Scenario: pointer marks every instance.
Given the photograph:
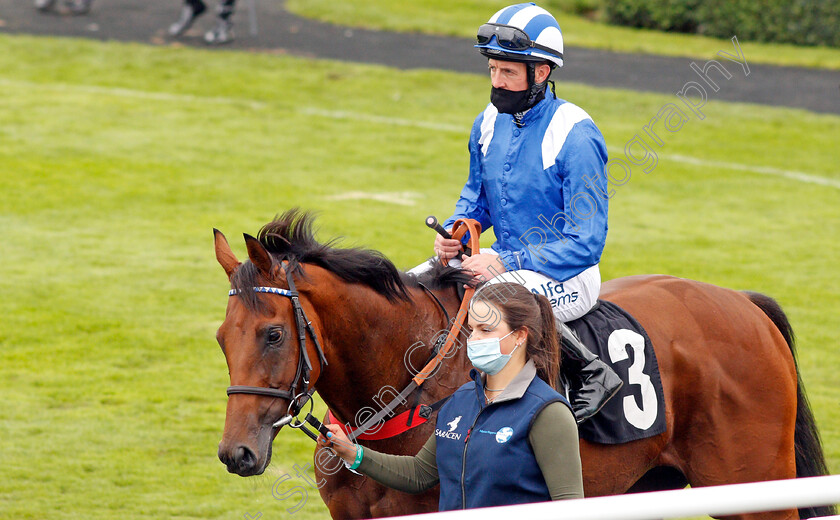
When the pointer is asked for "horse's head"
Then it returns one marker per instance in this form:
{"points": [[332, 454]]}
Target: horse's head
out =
{"points": [[272, 334], [294, 295], [269, 364]]}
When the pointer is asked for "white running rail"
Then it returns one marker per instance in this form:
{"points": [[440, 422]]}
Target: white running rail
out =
{"points": [[718, 500]]}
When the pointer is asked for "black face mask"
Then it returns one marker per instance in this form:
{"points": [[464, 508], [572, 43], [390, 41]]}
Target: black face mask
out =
{"points": [[509, 101]]}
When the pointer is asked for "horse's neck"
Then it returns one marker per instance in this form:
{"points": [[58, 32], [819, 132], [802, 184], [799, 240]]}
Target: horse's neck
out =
{"points": [[375, 347]]}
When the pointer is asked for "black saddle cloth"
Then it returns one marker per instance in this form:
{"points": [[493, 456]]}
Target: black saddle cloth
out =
{"points": [[638, 410]]}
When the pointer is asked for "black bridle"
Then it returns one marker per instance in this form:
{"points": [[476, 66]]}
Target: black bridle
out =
{"points": [[299, 392]]}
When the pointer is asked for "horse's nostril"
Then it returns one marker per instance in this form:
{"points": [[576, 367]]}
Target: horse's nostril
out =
{"points": [[244, 459]]}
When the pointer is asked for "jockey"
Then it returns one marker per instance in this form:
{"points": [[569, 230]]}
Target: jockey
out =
{"points": [[537, 177]]}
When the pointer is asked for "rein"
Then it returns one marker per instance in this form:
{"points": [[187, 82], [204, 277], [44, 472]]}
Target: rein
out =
{"points": [[413, 417]]}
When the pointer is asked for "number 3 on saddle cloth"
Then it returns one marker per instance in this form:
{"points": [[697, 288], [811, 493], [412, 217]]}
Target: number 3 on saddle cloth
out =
{"points": [[637, 411]]}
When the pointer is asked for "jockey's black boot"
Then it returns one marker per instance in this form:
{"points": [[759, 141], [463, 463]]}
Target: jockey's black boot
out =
{"points": [[593, 381]]}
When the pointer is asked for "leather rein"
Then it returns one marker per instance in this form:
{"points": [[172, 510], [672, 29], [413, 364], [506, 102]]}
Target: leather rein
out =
{"points": [[298, 397]]}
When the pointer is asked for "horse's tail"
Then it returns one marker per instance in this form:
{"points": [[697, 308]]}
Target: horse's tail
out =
{"points": [[810, 459]]}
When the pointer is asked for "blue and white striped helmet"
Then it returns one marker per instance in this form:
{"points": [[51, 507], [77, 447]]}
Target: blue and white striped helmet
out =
{"points": [[522, 32]]}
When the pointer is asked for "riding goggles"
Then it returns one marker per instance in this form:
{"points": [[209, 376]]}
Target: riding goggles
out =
{"points": [[510, 38]]}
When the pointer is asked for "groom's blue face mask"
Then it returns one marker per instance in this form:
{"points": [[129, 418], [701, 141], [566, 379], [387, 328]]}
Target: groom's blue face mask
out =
{"points": [[486, 354]]}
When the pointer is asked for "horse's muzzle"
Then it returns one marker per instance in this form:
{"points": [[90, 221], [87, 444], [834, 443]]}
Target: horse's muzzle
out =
{"points": [[240, 460]]}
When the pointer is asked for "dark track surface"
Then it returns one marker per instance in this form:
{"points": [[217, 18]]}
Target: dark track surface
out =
{"points": [[279, 31]]}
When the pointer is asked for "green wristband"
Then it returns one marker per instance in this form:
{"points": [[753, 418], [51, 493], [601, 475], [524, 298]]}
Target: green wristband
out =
{"points": [[359, 454]]}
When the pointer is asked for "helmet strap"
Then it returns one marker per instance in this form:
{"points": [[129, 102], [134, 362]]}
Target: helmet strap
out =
{"points": [[536, 90]]}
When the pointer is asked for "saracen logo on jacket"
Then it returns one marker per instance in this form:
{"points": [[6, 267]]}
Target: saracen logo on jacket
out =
{"points": [[453, 424]]}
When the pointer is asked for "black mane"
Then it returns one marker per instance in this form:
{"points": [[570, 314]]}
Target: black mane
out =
{"points": [[290, 237], [440, 277]]}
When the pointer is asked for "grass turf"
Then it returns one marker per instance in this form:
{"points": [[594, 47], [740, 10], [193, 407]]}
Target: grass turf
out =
{"points": [[462, 18], [117, 160]]}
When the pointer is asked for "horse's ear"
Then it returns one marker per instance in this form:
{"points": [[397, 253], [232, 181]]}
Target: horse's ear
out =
{"points": [[224, 254], [259, 256]]}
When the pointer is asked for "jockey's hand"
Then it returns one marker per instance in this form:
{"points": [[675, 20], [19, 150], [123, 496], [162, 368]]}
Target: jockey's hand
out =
{"points": [[339, 442], [446, 247], [484, 266]]}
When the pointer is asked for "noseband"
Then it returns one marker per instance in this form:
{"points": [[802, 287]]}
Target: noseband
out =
{"points": [[297, 397]]}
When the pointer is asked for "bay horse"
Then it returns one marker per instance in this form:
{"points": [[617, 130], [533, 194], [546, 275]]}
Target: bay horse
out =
{"points": [[736, 408]]}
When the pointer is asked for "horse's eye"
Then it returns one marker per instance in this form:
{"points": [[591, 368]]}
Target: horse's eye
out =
{"points": [[274, 336]]}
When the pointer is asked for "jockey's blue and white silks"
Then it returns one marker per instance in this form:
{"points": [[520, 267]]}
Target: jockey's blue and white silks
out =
{"points": [[541, 186]]}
